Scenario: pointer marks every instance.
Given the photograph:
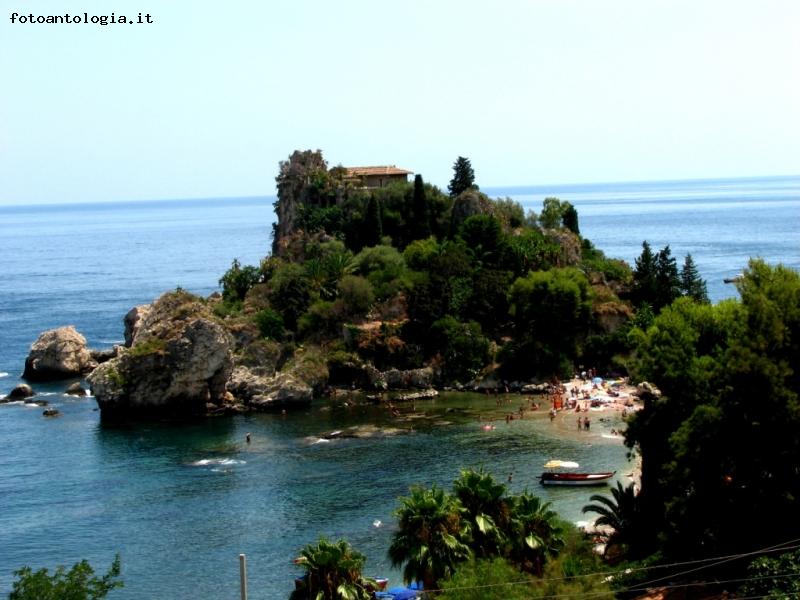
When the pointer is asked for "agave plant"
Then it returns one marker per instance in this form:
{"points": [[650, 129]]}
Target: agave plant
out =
{"points": [[333, 572], [428, 542]]}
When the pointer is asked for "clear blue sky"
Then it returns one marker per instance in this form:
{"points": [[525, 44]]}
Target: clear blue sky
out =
{"points": [[207, 100]]}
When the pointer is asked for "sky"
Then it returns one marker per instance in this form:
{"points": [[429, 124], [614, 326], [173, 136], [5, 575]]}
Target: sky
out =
{"points": [[206, 100]]}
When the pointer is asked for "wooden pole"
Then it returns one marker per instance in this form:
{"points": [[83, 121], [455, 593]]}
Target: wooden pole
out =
{"points": [[243, 575]]}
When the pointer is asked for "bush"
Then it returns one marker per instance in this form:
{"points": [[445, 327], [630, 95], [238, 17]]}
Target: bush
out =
{"points": [[238, 280], [79, 583], [487, 580], [464, 349], [269, 323], [355, 294]]}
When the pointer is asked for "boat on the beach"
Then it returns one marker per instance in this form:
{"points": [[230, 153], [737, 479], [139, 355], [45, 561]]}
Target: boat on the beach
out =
{"points": [[553, 478]]}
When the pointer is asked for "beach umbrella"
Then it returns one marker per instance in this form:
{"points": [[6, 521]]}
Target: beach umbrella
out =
{"points": [[566, 464], [597, 380]]}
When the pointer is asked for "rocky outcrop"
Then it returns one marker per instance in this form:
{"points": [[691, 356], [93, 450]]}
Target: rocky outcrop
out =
{"points": [[76, 389], [261, 392], [58, 354], [179, 361], [133, 322], [395, 379], [647, 391], [101, 356], [20, 392]]}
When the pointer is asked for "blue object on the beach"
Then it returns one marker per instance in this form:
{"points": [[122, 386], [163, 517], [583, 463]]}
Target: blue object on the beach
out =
{"points": [[402, 593], [597, 380]]}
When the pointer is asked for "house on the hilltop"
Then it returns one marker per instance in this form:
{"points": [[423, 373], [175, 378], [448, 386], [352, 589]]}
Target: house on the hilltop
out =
{"points": [[377, 177]]}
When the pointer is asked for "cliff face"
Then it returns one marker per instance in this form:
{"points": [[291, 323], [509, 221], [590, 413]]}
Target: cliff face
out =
{"points": [[178, 363], [58, 354], [296, 186]]}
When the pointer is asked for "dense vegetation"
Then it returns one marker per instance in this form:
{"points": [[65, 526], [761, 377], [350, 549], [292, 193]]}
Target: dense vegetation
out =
{"points": [[407, 276], [478, 535], [77, 583]]}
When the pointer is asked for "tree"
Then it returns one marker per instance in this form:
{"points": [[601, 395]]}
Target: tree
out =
{"points": [[373, 227], [644, 276], [463, 177], [486, 509], [238, 280], [420, 224], [621, 513], [484, 238], [333, 572], [427, 543], [552, 213], [692, 284], [79, 583], [722, 440], [535, 533], [551, 312], [487, 579], [289, 292], [569, 218], [775, 578], [668, 282]]}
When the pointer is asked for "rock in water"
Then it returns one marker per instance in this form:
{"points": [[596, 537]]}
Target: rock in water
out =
{"points": [[20, 392], [179, 361], [133, 322], [58, 354], [76, 389], [269, 392]]}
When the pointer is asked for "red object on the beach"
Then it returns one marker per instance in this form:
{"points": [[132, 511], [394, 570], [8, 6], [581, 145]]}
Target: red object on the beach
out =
{"points": [[575, 478]]}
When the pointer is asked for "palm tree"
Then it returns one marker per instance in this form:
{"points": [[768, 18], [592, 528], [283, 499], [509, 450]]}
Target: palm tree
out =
{"points": [[621, 514], [536, 533], [333, 572], [428, 539], [487, 511]]}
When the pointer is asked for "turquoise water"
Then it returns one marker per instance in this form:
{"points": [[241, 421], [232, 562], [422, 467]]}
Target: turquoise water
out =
{"points": [[181, 502]]}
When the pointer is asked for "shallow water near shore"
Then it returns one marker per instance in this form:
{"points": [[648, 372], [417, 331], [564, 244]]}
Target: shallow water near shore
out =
{"points": [[180, 502]]}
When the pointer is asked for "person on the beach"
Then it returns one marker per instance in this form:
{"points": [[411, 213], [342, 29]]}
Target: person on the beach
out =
{"points": [[587, 423], [247, 437], [580, 423]]}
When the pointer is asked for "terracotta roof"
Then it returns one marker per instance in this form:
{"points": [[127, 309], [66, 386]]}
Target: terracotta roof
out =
{"points": [[383, 170]]}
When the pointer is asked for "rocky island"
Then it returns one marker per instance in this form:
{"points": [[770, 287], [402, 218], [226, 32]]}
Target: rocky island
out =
{"points": [[374, 283]]}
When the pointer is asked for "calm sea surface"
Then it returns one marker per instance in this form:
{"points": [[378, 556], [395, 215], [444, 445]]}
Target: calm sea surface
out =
{"points": [[179, 503]]}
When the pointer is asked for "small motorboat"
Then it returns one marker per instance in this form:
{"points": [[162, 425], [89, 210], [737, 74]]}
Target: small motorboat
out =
{"points": [[552, 478]]}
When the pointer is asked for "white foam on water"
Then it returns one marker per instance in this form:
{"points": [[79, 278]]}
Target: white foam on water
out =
{"points": [[321, 441], [3, 374], [205, 462], [47, 394]]}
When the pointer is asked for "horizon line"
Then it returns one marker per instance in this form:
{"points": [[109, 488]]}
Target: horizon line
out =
{"points": [[61, 203]]}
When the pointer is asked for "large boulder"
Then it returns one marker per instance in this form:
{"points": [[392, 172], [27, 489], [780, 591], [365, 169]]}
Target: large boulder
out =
{"points": [[179, 362], [259, 392], [58, 354]]}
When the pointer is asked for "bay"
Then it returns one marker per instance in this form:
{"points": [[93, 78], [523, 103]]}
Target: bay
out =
{"points": [[181, 502]]}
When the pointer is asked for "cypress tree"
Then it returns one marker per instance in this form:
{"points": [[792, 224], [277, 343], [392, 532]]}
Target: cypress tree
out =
{"points": [[644, 276], [421, 224], [692, 284], [373, 226], [668, 283], [463, 177], [569, 218]]}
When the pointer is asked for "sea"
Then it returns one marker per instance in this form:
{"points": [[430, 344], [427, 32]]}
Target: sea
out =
{"points": [[180, 502]]}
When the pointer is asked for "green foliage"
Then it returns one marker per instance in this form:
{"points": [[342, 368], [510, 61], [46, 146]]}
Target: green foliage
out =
{"points": [[427, 542], [551, 311], [289, 292], [420, 224], [775, 578], [484, 237], [723, 440], [531, 251], [148, 347], [612, 269], [227, 308], [419, 254], [655, 278], [238, 280], [270, 324], [536, 534], [487, 510], [487, 579], [329, 219], [552, 214], [463, 347], [333, 572], [79, 583], [463, 177], [373, 225], [385, 269], [622, 514], [355, 295], [509, 212], [569, 218], [692, 285]]}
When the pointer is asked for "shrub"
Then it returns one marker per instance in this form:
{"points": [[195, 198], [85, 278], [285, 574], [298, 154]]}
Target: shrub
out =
{"points": [[355, 294], [79, 583], [269, 323]]}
